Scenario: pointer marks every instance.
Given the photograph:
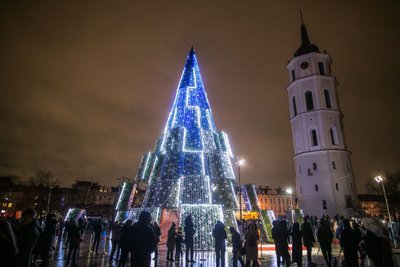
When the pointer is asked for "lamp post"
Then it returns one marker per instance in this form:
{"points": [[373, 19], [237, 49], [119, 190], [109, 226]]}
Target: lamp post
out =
{"points": [[290, 191], [240, 162], [379, 179]]}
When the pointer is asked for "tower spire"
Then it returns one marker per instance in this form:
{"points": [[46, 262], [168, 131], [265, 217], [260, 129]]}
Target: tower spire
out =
{"points": [[306, 46]]}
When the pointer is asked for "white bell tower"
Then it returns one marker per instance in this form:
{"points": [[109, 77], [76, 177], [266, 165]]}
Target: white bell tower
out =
{"points": [[324, 176]]}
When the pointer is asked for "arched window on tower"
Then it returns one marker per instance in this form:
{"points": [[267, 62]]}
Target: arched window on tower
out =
{"points": [[294, 106], [309, 101], [314, 138], [333, 134], [327, 98]]}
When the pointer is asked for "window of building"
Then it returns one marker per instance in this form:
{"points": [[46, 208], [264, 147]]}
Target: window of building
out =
{"points": [[327, 98], [316, 187], [337, 187], [333, 134], [349, 201], [309, 173], [314, 166], [324, 204], [294, 106], [333, 165], [321, 68], [293, 77], [314, 139], [299, 168], [309, 101], [279, 201]]}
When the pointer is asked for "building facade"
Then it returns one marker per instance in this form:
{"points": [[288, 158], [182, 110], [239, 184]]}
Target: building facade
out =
{"points": [[324, 176]]}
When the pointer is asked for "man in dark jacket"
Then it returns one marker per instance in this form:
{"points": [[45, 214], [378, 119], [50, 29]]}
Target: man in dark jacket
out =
{"points": [[219, 235], [27, 236], [143, 241], [349, 243], [97, 229], [189, 238], [325, 238], [308, 238], [236, 247]]}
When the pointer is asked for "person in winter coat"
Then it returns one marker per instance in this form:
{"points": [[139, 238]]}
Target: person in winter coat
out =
{"points": [[74, 242], [325, 238], [236, 247], [219, 235], [171, 242], [178, 244], [297, 246], [251, 238], [115, 237], [280, 235], [27, 236], [47, 239], [124, 242], [143, 241], [157, 232], [8, 244], [189, 238], [349, 243], [97, 229], [308, 238]]}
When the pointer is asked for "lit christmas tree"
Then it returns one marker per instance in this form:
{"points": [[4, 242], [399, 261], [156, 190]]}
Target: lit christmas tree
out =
{"points": [[190, 167]]}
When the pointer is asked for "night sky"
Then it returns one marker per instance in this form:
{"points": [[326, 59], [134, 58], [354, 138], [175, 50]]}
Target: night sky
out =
{"points": [[86, 87]]}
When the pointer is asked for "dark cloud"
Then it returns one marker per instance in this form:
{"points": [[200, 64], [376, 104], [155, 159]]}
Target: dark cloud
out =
{"points": [[86, 87]]}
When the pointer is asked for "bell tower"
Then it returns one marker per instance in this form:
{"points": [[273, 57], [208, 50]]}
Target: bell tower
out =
{"points": [[324, 176]]}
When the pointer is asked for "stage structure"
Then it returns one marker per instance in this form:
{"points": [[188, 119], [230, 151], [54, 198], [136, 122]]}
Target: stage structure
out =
{"points": [[190, 170]]}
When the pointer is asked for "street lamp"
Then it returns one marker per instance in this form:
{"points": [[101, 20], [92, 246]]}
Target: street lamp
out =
{"points": [[290, 191], [379, 179], [240, 162]]}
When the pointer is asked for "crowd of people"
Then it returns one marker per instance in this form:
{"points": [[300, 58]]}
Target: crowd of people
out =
{"points": [[24, 241]]}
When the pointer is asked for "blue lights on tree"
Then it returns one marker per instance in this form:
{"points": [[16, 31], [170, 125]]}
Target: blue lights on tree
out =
{"points": [[191, 162]]}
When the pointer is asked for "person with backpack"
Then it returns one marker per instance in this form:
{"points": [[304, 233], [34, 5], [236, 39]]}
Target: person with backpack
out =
{"points": [[219, 235], [325, 238], [236, 247], [251, 238], [297, 245], [308, 238]]}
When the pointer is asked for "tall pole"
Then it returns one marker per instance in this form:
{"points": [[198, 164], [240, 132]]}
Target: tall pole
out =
{"points": [[240, 201], [240, 162], [379, 179]]}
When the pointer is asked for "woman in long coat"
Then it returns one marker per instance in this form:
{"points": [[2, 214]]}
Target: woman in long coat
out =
{"points": [[297, 246], [251, 238], [171, 242]]}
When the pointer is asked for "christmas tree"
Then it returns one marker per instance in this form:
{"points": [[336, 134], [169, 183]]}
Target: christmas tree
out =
{"points": [[190, 167]]}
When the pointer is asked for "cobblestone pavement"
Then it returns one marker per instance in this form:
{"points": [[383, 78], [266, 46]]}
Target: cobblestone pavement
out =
{"points": [[202, 258]]}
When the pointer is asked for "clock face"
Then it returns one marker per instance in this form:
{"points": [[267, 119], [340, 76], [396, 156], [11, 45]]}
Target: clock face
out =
{"points": [[304, 65]]}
